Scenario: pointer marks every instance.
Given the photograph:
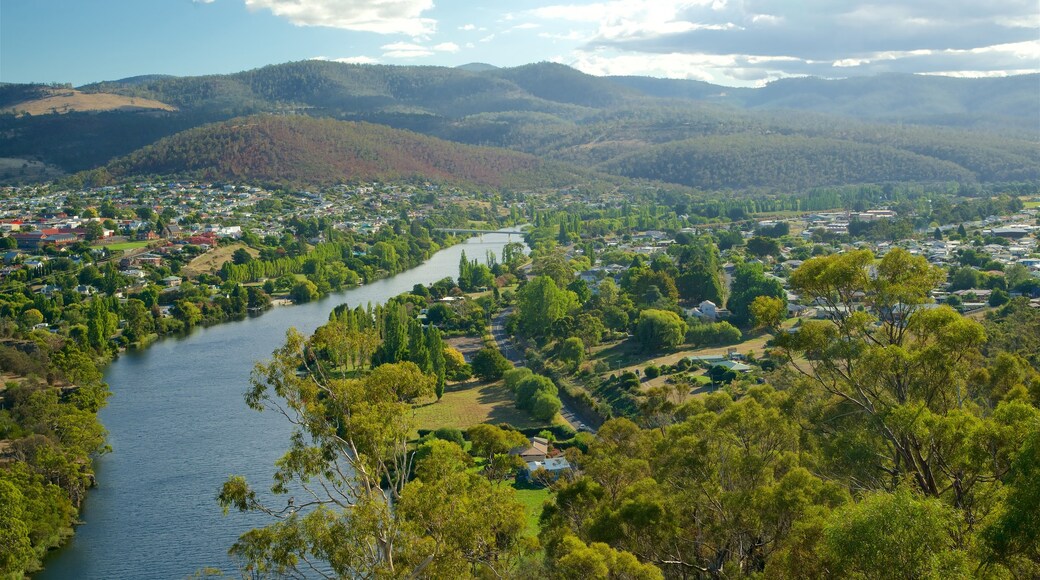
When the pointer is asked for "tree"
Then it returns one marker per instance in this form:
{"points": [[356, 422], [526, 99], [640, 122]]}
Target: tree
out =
{"points": [[657, 330], [892, 535], [768, 312], [540, 303], [455, 367], [750, 282], [435, 346], [241, 256], [897, 375], [762, 246], [30, 318], [494, 444], [304, 291], [489, 364], [529, 388], [363, 516], [572, 352], [545, 406]]}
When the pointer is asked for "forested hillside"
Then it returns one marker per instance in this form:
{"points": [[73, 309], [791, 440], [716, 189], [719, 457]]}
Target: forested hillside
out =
{"points": [[834, 132], [320, 151]]}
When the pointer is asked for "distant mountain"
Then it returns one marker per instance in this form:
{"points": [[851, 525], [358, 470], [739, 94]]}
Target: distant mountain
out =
{"points": [[305, 150], [477, 67], [937, 128]]}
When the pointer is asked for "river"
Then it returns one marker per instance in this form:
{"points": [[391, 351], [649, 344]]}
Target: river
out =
{"points": [[179, 426]]}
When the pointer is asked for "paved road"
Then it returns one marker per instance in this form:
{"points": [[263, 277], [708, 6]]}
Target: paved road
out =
{"points": [[505, 345]]}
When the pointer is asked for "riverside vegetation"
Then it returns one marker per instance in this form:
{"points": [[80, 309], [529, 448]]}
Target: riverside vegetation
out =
{"points": [[891, 437]]}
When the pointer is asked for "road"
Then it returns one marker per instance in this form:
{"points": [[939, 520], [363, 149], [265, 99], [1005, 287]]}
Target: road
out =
{"points": [[505, 345]]}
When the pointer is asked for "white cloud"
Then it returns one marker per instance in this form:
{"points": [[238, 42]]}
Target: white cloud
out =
{"points": [[468, 27], [405, 50], [202, 1], [446, 47], [751, 40], [526, 26], [349, 59], [379, 16]]}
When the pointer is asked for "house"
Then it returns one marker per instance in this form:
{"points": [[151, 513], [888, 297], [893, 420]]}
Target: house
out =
{"points": [[537, 451], [554, 466], [730, 365], [171, 281], [707, 311]]}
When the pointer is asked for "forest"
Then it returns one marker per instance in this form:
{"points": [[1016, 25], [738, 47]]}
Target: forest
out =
{"points": [[791, 135]]}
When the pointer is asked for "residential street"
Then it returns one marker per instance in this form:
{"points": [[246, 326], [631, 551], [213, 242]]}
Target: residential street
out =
{"points": [[505, 345]]}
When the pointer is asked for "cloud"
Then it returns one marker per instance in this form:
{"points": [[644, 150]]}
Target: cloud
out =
{"points": [[468, 27], [446, 47], [412, 50], [202, 1], [349, 59], [762, 39], [379, 16]]}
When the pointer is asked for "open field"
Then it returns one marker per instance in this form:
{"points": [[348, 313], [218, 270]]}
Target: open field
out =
{"points": [[532, 497], [472, 403], [70, 100], [123, 245], [211, 261], [624, 356], [15, 170]]}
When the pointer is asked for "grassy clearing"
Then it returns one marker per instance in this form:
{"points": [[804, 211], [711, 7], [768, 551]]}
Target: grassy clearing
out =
{"points": [[471, 403], [123, 245], [626, 356], [532, 497], [213, 260]]}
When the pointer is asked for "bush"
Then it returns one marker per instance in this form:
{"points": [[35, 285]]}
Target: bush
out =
{"points": [[659, 329], [489, 364], [545, 406], [450, 434], [652, 372], [513, 377], [529, 389]]}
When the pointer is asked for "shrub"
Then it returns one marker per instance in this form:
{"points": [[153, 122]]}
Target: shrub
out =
{"points": [[450, 434], [652, 372]]}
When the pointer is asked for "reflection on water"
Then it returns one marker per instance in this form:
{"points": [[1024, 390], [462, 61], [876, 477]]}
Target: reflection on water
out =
{"points": [[178, 427]]}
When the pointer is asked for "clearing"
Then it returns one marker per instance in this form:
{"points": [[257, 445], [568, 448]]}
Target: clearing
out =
{"points": [[211, 261], [62, 101], [471, 403]]}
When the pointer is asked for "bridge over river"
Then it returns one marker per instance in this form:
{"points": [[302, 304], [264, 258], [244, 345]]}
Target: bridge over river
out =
{"points": [[477, 232]]}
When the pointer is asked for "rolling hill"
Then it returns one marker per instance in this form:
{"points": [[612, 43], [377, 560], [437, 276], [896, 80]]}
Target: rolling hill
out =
{"points": [[306, 150], [914, 127]]}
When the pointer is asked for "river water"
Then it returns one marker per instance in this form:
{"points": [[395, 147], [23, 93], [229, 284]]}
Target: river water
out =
{"points": [[179, 426]]}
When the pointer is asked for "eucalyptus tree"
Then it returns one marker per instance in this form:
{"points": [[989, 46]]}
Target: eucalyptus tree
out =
{"points": [[363, 505]]}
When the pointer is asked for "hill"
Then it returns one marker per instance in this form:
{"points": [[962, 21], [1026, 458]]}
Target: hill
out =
{"points": [[47, 100], [300, 149], [968, 130]]}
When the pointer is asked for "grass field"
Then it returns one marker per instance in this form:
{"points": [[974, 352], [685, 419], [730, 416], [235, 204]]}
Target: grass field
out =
{"points": [[71, 100], [532, 497], [123, 245], [211, 261], [471, 403]]}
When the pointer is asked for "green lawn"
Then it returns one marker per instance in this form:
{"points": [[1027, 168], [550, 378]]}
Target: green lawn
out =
{"points": [[472, 403], [532, 497], [123, 245]]}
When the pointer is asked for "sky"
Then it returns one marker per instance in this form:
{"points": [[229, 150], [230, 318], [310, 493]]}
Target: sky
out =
{"points": [[727, 42]]}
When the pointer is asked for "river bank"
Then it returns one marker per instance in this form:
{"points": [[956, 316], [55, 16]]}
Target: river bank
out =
{"points": [[178, 426]]}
